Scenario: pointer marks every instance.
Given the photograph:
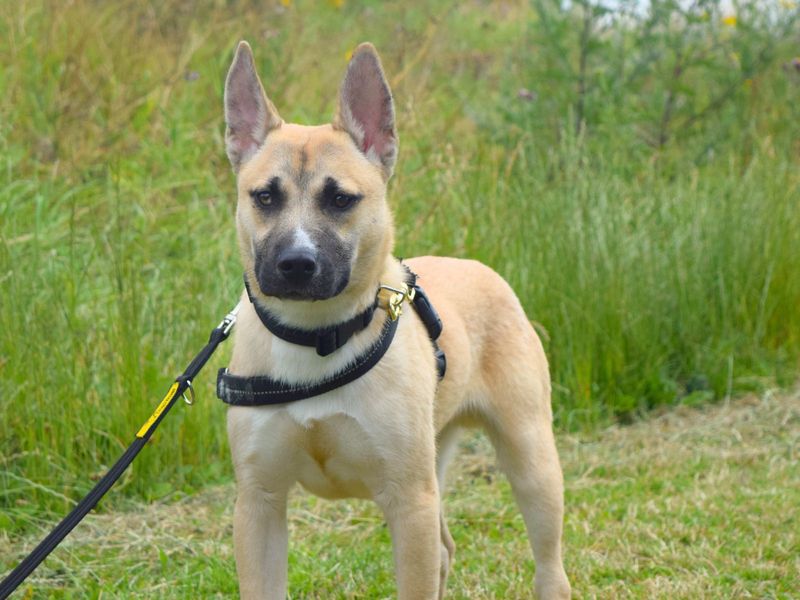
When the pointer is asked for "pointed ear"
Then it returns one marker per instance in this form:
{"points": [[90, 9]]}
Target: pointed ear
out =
{"points": [[366, 109], [249, 115]]}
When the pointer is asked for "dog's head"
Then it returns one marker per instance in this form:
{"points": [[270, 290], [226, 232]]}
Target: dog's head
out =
{"points": [[312, 215]]}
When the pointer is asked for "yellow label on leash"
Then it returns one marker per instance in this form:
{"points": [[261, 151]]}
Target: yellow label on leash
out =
{"points": [[157, 412]]}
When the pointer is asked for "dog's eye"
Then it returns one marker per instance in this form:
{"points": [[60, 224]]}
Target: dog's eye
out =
{"points": [[334, 198], [342, 201], [270, 196]]}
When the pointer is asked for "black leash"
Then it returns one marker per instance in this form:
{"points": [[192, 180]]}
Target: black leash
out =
{"points": [[178, 389]]}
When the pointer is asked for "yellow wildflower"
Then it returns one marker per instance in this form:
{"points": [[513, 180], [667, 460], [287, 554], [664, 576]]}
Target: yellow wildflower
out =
{"points": [[730, 20]]}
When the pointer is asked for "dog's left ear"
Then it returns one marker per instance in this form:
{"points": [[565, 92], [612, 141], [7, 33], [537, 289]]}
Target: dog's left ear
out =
{"points": [[366, 109]]}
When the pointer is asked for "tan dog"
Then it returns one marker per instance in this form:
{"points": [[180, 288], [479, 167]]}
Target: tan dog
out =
{"points": [[316, 239]]}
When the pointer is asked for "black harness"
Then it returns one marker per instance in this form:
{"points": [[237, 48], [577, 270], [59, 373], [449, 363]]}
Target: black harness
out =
{"points": [[264, 390]]}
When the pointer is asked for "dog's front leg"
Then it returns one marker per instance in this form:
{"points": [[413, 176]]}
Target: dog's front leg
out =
{"points": [[413, 519], [261, 538]]}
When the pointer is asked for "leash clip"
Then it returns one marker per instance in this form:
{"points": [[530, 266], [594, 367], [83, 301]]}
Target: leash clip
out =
{"points": [[228, 322], [396, 299]]}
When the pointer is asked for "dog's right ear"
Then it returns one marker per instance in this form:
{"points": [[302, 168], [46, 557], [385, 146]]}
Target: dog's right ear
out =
{"points": [[249, 115]]}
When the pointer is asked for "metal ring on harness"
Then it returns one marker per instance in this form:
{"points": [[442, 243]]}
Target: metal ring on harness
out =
{"points": [[189, 387]]}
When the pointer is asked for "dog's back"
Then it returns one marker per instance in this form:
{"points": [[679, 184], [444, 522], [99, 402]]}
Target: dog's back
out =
{"points": [[488, 340]]}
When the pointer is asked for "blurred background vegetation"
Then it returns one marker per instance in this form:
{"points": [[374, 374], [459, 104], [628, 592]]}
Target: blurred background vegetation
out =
{"points": [[631, 170]]}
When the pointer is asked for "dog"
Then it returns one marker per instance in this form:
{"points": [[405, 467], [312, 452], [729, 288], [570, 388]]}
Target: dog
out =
{"points": [[316, 238]]}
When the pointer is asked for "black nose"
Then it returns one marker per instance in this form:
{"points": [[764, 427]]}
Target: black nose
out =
{"points": [[297, 266]]}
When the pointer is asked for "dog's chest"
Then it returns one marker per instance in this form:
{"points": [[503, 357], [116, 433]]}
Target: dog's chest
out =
{"points": [[336, 458], [321, 445]]}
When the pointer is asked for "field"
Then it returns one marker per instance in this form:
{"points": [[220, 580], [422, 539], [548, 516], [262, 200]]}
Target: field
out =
{"points": [[634, 177]]}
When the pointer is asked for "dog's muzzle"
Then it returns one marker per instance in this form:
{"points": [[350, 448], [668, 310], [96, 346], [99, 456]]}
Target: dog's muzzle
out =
{"points": [[299, 272]]}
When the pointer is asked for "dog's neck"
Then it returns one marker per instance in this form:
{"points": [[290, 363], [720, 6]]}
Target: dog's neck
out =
{"points": [[315, 314]]}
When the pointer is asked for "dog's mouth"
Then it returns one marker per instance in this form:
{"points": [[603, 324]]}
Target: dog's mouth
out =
{"points": [[295, 296], [300, 296], [319, 288]]}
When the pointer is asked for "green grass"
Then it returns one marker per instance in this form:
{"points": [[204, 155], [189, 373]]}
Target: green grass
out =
{"points": [[695, 503], [641, 196]]}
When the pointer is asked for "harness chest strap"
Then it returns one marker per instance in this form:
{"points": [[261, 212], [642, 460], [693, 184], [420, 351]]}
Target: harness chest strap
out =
{"points": [[264, 390]]}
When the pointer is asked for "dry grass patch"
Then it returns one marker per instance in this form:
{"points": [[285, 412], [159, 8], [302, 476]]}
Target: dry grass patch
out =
{"points": [[693, 503]]}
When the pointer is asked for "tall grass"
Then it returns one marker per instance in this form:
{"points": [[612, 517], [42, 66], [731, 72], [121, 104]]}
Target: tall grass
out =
{"points": [[635, 177]]}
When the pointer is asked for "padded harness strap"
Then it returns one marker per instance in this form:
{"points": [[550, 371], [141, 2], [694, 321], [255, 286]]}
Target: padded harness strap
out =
{"points": [[264, 390]]}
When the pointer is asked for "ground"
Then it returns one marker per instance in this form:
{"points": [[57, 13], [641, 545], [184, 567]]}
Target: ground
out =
{"points": [[691, 503]]}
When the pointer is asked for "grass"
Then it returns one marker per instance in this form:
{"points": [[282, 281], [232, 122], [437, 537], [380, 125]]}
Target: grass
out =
{"points": [[635, 178], [693, 503]]}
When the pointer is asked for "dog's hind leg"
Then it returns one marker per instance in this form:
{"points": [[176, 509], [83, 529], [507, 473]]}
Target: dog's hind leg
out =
{"points": [[445, 448], [522, 435], [448, 551]]}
